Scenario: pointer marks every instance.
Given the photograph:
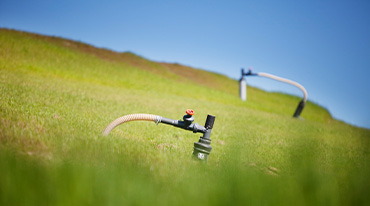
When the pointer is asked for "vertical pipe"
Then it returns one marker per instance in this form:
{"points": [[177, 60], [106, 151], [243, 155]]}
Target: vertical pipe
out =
{"points": [[243, 89], [203, 148]]}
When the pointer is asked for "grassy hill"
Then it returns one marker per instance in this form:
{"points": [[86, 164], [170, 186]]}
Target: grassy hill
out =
{"points": [[58, 95]]}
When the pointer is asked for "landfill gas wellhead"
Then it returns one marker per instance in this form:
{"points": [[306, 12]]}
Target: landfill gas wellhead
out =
{"points": [[202, 148], [243, 88]]}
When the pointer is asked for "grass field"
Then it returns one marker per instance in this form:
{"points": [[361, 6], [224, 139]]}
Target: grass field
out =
{"points": [[58, 95]]}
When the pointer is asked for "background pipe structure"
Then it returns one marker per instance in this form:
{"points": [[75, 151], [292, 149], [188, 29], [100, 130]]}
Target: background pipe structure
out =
{"points": [[202, 149], [242, 90]]}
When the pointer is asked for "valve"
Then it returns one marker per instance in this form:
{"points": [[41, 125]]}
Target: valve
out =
{"points": [[188, 118]]}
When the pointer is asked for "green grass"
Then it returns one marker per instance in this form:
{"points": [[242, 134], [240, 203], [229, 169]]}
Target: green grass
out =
{"points": [[58, 95]]}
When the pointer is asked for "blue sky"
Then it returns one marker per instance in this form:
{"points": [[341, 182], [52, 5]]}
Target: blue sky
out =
{"points": [[322, 44]]}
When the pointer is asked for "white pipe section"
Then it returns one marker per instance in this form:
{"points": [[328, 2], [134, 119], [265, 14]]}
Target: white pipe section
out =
{"points": [[243, 89], [131, 117], [286, 81]]}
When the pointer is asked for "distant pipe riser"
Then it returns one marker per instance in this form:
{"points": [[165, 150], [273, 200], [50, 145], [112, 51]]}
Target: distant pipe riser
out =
{"points": [[243, 89], [301, 104]]}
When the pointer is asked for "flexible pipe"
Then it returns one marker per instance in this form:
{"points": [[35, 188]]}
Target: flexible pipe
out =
{"points": [[131, 117], [286, 81]]}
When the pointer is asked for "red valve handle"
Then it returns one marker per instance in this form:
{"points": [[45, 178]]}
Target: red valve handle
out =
{"points": [[190, 112]]}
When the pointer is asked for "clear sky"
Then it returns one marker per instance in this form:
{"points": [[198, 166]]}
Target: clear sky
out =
{"points": [[322, 44]]}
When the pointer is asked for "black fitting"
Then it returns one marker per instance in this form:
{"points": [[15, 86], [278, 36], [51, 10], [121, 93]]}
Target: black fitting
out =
{"points": [[299, 109], [249, 73], [209, 122]]}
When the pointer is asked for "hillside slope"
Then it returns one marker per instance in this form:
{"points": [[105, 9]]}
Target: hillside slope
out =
{"points": [[258, 99], [58, 95]]}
